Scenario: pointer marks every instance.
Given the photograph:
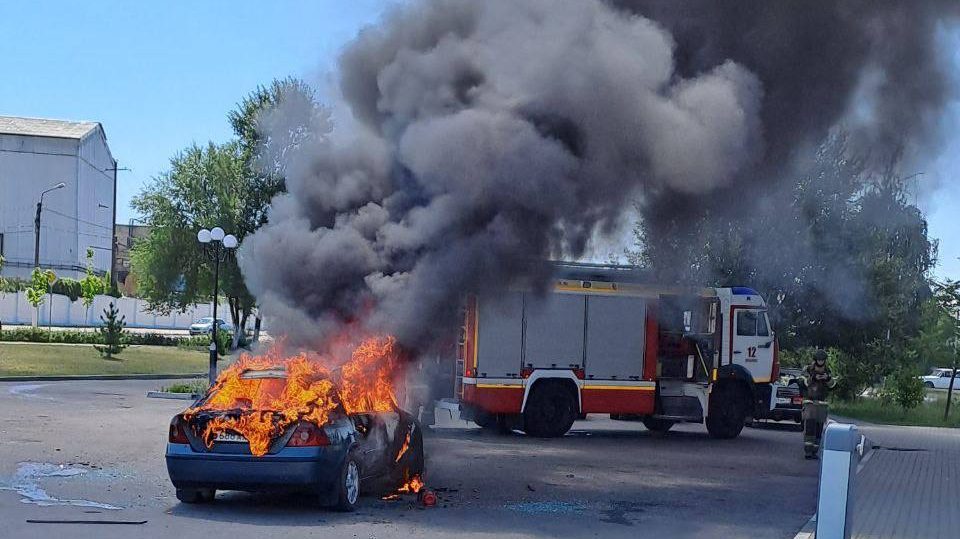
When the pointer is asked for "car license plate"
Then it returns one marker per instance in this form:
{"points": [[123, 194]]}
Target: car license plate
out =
{"points": [[783, 400], [229, 437]]}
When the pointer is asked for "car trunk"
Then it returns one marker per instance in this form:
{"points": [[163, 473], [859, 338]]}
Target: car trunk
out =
{"points": [[265, 386]]}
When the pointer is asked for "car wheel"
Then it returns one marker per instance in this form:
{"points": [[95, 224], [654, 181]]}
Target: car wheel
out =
{"points": [[928, 385], [551, 410], [196, 495], [348, 486]]}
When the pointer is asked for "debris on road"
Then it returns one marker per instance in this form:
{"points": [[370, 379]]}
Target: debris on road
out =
{"points": [[427, 498], [556, 507], [58, 521]]}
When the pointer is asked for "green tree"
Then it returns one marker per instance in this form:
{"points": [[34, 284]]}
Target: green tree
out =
{"points": [[840, 254], [948, 301], [112, 332], [40, 283], [90, 285], [228, 185]]}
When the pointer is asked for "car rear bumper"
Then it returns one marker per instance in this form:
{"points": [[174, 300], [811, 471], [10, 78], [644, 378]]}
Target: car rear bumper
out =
{"points": [[291, 469]]}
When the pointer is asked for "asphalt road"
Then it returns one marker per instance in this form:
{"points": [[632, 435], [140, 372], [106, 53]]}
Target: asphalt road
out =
{"points": [[72, 450]]}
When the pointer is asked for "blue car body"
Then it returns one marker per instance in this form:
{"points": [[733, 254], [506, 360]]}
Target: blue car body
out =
{"points": [[373, 441], [231, 466]]}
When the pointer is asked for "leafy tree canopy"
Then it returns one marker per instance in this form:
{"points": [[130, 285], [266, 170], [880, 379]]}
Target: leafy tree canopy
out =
{"points": [[841, 255], [229, 185]]}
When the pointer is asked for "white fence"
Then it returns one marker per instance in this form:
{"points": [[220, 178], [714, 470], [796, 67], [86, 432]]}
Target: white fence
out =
{"points": [[15, 309]]}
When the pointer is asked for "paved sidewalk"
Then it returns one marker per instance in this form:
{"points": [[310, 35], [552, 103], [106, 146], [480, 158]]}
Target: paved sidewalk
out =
{"points": [[910, 486]]}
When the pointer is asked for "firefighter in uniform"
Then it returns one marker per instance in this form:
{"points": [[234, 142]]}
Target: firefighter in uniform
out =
{"points": [[817, 382]]}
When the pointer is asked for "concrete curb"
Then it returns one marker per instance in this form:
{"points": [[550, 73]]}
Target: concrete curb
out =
{"points": [[808, 530], [171, 395], [80, 377]]}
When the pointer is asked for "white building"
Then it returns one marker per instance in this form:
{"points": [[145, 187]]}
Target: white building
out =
{"points": [[35, 155]]}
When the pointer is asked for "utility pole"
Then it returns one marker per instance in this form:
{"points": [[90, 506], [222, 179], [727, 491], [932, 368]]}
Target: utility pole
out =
{"points": [[36, 224], [953, 377]]}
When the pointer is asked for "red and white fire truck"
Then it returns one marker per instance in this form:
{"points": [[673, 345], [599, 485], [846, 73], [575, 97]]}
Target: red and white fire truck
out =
{"points": [[598, 343]]}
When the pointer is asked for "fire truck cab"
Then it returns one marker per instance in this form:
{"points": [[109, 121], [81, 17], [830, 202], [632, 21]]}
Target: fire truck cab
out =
{"points": [[536, 360]]}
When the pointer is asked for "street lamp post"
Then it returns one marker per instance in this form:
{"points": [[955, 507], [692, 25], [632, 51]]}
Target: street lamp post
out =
{"points": [[36, 223], [218, 243]]}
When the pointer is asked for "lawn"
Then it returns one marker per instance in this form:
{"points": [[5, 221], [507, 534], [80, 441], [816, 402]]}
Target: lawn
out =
{"points": [[928, 414], [46, 359]]}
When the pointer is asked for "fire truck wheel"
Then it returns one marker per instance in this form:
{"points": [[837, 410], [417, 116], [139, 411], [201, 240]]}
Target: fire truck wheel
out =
{"points": [[551, 410], [348, 486], [727, 412], [485, 420], [657, 425]]}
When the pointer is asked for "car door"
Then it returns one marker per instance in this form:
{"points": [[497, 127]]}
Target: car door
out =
{"points": [[753, 342], [375, 450]]}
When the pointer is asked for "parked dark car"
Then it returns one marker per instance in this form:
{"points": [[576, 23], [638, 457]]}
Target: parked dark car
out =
{"points": [[333, 462], [788, 398]]}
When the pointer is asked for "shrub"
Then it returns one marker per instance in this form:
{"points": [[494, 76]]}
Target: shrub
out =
{"points": [[198, 342], [908, 390], [32, 334], [196, 386], [67, 287], [202, 342]]}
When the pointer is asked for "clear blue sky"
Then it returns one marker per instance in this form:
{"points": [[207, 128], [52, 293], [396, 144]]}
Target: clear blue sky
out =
{"points": [[160, 75]]}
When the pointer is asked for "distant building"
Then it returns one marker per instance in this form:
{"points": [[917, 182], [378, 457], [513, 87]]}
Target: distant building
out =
{"points": [[125, 236], [36, 154]]}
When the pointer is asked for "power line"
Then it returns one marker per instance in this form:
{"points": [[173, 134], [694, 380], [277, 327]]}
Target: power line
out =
{"points": [[84, 221]]}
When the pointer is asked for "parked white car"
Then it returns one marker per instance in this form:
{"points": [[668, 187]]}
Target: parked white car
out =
{"points": [[940, 379], [205, 325]]}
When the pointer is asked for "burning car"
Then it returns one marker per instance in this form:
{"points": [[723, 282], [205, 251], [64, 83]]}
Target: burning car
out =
{"points": [[293, 425]]}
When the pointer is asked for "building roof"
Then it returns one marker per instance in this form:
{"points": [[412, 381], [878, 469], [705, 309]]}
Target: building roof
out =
{"points": [[41, 127]]}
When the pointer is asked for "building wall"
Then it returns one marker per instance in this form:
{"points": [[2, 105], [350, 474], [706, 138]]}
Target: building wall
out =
{"points": [[28, 165], [95, 202]]}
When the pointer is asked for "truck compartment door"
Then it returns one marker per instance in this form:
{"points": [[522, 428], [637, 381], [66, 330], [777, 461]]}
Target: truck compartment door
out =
{"points": [[500, 330], [554, 328], [615, 337]]}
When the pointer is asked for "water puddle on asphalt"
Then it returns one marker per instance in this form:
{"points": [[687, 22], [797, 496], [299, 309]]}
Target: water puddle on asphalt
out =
{"points": [[26, 483], [27, 391]]}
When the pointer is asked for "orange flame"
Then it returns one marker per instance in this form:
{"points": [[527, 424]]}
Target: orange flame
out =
{"points": [[403, 448], [261, 409], [413, 485]]}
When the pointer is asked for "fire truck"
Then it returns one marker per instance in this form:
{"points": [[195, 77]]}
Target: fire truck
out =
{"points": [[598, 340]]}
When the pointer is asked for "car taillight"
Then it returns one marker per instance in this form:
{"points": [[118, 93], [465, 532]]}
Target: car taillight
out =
{"points": [[308, 435], [178, 432]]}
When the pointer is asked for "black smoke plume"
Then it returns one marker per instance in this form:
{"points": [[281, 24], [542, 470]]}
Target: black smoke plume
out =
{"points": [[475, 138]]}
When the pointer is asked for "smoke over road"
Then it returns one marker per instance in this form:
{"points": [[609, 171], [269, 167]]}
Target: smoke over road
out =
{"points": [[487, 135]]}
